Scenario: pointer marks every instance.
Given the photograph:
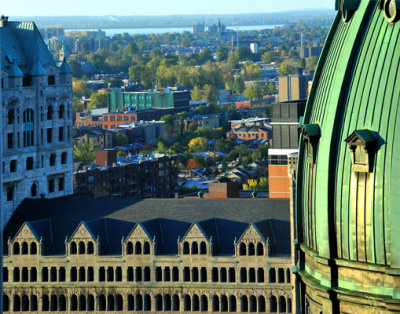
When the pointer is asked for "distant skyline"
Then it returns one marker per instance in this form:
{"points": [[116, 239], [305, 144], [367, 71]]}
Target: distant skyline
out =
{"points": [[154, 7]]}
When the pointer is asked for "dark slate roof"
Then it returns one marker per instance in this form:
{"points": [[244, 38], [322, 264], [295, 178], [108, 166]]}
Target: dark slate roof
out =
{"points": [[18, 40], [163, 219]]}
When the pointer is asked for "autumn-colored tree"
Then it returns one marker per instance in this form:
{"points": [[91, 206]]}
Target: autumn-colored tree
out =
{"points": [[253, 184], [191, 163], [198, 144]]}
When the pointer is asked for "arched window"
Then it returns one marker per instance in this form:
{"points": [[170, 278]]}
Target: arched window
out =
{"points": [[90, 302], [24, 248], [232, 274], [289, 305], [252, 275], [24, 275], [119, 303], [138, 274], [244, 304], [11, 116], [28, 118], [61, 111], [232, 303], [288, 275], [147, 302], [222, 274], [139, 302], [251, 249], [175, 274], [147, 274], [175, 303], [186, 274], [204, 303], [195, 303], [187, 304], [110, 274], [158, 301], [272, 304], [16, 274], [34, 190], [131, 302], [34, 303], [261, 304], [17, 303], [102, 303], [195, 274], [53, 303], [282, 304], [62, 301], [242, 249], [224, 303], [16, 248], [90, 248], [129, 248], [260, 275], [272, 275], [253, 304], [195, 248], [6, 303], [82, 273], [45, 303], [167, 302], [146, 248], [281, 275], [110, 303], [33, 248], [33, 274], [138, 248], [260, 249], [72, 249], [25, 303], [215, 303], [243, 274], [203, 248], [50, 112], [73, 274], [185, 247], [81, 247]]}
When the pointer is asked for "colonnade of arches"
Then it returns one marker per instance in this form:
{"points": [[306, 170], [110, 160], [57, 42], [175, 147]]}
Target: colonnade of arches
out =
{"points": [[147, 302]]}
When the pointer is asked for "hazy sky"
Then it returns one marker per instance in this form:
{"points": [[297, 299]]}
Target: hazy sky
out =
{"points": [[153, 7]]}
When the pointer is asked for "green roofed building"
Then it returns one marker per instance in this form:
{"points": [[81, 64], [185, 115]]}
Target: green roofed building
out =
{"points": [[118, 100], [348, 180]]}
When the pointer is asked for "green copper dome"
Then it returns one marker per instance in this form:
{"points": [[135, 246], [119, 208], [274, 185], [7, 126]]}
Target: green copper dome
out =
{"points": [[348, 181]]}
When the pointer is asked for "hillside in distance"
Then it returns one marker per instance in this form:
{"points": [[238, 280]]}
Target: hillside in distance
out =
{"points": [[140, 21]]}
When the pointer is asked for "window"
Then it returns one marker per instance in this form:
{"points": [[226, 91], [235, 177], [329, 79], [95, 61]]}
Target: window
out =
{"points": [[10, 140], [61, 111], [311, 134], [49, 135], [28, 128], [52, 159], [63, 158], [29, 163], [51, 80], [13, 166], [11, 116], [10, 193], [60, 133], [51, 185], [61, 184], [362, 146]]}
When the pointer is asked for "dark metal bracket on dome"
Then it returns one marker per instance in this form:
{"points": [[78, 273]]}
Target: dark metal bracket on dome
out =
{"points": [[391, 9], [362, 144], [311, 134], [347, 7]]}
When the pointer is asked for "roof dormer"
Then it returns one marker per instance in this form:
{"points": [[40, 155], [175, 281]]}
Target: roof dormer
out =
{"points": [[362, 145], [311, 134]]}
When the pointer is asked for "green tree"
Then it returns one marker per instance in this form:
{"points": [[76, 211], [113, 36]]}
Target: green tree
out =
{"points": [[121, 140], [243, 53], [196, 93], [239, 85], [222, 53], [98, 100], [135, 73], [210, 93], [79, 89], [311, 62], [251, 72], [84, 153], [77, 106], [287, 67], [254, 92], [268, 57]]}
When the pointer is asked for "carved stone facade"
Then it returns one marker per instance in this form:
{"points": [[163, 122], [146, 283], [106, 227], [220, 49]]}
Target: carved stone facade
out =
{"points": [[37, 118], [143, 277]]}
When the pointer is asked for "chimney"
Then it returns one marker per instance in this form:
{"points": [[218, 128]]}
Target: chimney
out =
{"points": [[223, 190]]}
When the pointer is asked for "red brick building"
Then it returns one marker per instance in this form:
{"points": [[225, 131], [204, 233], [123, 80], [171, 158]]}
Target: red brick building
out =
{"points": [[135, 177], [83, 120]]}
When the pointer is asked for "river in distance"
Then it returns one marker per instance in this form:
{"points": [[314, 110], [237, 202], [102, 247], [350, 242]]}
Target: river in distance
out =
{"points": [[162, 30]]}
